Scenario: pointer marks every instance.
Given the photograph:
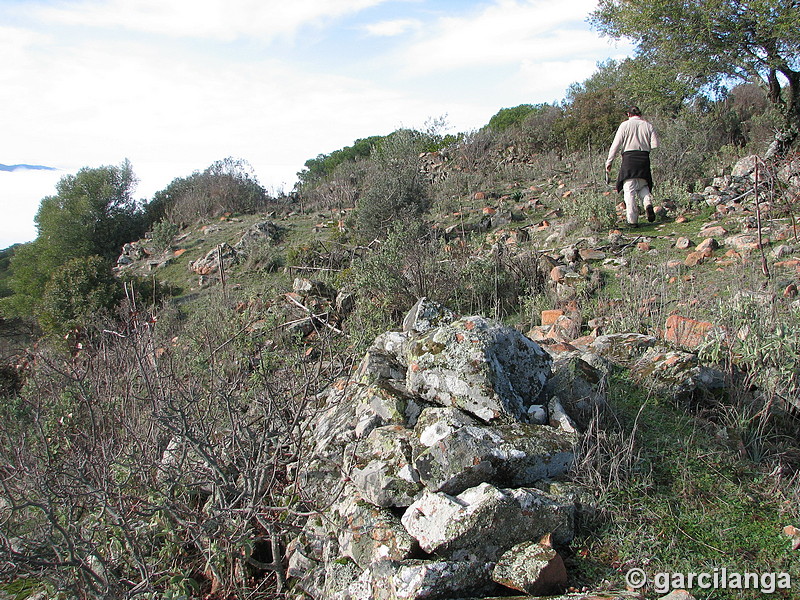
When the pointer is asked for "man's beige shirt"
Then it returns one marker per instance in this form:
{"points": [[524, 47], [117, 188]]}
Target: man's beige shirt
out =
{"points": [[633, 134]]}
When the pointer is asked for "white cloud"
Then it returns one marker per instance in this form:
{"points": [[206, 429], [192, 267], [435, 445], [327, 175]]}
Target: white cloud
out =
{"points": [[506, 32], [75, 93], [393, 28], [20, 194], [99, 102], [224, 20]]}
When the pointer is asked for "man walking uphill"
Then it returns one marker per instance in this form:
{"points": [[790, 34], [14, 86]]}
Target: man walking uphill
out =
{"points": [[634, 139]]}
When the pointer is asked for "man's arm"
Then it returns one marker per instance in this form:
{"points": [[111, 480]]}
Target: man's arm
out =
{"points": [[653, 138], [614, 148]]}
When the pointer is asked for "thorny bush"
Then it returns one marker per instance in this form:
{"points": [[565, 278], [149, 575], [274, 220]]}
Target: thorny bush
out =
{"points": [[151, 460]]}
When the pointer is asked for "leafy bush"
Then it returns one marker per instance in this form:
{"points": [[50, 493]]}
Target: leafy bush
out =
{"points": [[506, 118], [394, 189], [76, 293], [413, 263], [228, 185], [164, 233]]}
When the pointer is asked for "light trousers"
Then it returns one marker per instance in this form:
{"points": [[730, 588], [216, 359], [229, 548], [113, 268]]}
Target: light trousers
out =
{"points": [[632, 190]]}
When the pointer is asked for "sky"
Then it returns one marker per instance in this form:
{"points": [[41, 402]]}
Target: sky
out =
{"points": [[175, 85]]}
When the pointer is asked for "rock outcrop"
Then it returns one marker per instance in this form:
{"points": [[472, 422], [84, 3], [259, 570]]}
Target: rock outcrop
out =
{"points": [[442, 454]]}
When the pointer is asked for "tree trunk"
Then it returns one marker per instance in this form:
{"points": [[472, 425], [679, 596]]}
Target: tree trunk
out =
{"points": [[790, 105]]}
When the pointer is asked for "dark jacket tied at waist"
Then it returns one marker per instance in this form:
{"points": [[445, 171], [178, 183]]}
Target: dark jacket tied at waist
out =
{"points": [[635, 165]]}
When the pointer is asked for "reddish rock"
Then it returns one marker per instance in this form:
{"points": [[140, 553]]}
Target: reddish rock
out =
{"points": [[533, 568], [488, 210], [559, 347], [558, 273], [480, 196], [551, 316], [588, 254], [644, 246], [694, 258], [716, 230], [789, 264], [686, 332], [707, 245]]}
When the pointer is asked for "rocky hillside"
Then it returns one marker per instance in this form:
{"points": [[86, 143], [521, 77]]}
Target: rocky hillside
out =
{"points": [[475, 456]]}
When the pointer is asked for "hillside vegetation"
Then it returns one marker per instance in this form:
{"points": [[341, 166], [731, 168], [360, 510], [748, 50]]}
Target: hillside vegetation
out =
{"points": [[161, 359]]}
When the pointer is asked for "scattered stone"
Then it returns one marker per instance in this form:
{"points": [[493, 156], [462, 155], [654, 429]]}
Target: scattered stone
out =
{"points": [[623, 349], [310, 287], [210, 263], [707, 246], [743, 242], [683, 243], [549, 317], [676, 374], [713, 231], [592, 255], [695, 258]]}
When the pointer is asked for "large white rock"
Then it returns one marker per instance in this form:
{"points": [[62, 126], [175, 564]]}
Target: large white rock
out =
{"points": [[480, 366], [483, 522], [457, 453], [421, 580]]}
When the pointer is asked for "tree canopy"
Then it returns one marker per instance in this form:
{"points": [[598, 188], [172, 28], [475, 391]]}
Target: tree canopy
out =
{"points": [[92, 214], [711, 42], [228, 185]]}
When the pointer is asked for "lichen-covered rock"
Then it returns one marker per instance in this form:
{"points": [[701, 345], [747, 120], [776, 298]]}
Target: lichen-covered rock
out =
{"points": [[483, 522], [428, 580], [393, 343], [675, 373], [367, 533], [559, 417], [532, 568], [265, 232], [489, 370], [443, 408], [223, 254], [378, 365], [578, 385], [313, 287], [427, 314], [348, 412], [454, 458], [622, 348], [385, 475]]}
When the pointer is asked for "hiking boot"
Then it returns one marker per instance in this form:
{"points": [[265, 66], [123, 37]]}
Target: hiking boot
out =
{"points": [[651, 214]]}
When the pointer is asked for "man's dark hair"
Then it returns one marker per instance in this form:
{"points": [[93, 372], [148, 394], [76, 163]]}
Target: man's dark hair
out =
{"points": [[634, 111]]}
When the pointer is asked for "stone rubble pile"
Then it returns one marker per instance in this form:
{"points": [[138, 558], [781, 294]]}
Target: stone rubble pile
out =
{"points": [[440, 468]]}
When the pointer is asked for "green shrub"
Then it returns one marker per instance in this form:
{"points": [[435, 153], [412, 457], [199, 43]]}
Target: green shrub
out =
{"points": [[76, 293], [164, 233], [394, 189]]}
